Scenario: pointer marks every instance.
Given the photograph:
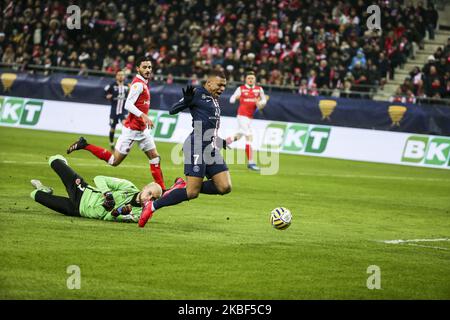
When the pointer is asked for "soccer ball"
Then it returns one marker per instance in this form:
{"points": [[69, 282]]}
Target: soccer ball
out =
{"points": [[280, 218]]}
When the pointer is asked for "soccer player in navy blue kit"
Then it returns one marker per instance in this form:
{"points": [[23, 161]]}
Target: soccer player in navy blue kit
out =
{"points": [[117, 93], [201, 149]]}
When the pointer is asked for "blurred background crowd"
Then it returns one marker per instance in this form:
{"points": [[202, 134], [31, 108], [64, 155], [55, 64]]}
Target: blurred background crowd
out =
{"points": [[316, 46]]}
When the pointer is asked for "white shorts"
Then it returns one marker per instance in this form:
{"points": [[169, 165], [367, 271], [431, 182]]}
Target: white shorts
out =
{"points": [[244, 125], [128, 137]]}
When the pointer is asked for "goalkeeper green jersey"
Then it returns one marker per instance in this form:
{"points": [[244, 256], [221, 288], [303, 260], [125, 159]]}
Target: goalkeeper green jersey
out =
{"points": [[123, 192]]}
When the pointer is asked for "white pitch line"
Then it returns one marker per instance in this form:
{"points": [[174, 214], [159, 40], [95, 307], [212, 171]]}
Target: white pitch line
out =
{"points": [[370, 177], [414, 240], [419, 245]]}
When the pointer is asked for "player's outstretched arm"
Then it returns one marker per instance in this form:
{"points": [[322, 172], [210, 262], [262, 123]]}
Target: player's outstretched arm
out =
{"points": [[177, 107], [185, 102]]}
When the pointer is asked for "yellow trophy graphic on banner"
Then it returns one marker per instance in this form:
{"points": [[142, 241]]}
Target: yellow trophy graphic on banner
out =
{"points": [[8, 80], [396, 113], [326, 108], [68, 84]]}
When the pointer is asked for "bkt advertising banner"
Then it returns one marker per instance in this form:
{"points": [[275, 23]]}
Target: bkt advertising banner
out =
{"points": [[283, 137]]}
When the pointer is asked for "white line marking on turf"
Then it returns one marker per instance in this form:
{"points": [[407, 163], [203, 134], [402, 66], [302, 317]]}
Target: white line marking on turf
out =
{"points": [[419, 245], [413, 242], [351, 176]]}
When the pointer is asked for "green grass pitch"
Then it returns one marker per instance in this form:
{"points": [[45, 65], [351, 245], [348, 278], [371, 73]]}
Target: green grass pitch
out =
{"points": [[223, 247]]}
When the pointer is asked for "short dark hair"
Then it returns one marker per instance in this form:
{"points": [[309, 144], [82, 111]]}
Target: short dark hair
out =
{"points": [[142, 59], [250, 73], [216, 73]]}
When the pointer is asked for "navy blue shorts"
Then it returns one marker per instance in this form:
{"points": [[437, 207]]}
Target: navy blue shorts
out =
{"points": [[202, 161], [115, 118]]}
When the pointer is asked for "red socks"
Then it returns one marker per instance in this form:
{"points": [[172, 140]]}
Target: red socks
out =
{"points": [[249, 152], [99, 152], [155, 166], [155, 169]]}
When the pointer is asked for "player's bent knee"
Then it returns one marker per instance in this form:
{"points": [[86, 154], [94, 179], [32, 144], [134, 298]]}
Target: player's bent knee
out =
{"points": [[225, 189], [192, 194]]}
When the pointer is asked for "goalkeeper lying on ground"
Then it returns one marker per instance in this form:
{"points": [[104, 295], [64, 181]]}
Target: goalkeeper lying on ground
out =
{"points": [[111, 199]]}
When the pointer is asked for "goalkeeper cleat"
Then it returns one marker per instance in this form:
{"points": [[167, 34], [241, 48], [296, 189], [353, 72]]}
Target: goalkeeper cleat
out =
{"points": [[253, 167], [78, 145], [39, 186], [147, 213], [57, 157]]}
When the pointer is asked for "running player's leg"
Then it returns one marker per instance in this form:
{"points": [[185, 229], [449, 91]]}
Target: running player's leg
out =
{"points": [[191, 191], [113, 159], [220, 184], [122, 148], [176, 196], [248, 146], [112, 130], [147, 144], [97, 151]]}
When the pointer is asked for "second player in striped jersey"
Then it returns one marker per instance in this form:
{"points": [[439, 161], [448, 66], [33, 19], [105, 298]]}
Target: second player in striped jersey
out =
{"points": [[116, 92]]}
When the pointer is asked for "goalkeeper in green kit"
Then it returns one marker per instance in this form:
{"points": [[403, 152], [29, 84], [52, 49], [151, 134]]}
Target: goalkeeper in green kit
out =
{"points": [[111, 199]]}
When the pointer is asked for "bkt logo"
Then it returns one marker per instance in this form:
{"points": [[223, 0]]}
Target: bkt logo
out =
{"points": [[20, 111], [296, 138], [427, 150], [165, 124]]}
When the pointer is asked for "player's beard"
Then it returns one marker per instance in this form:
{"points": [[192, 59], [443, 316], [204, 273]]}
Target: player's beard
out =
{"points": [[143, 76]]}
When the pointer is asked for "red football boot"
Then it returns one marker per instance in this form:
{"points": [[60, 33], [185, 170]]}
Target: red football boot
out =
{"points": [[146, 214], [179, 183]]}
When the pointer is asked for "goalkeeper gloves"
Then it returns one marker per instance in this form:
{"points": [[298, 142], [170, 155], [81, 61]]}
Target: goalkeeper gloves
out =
{"points": [[123, 210], [109, 202]]}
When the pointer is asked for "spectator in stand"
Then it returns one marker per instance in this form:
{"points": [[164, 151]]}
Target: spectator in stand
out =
{"points": [[417, 81], [433, 84], [431, 18], [360, 79]]}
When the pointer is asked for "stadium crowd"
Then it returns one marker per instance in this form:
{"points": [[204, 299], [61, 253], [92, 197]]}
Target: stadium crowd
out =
{"points": [[430, 81], [311, 45]]}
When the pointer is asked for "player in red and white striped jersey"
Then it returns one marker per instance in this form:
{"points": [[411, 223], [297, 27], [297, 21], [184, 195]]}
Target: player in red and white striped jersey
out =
{"points": [[136, 126], [250, 97]]}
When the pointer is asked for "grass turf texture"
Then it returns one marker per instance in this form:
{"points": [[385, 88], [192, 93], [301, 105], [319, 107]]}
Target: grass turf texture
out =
{"points": [[224, 247]]}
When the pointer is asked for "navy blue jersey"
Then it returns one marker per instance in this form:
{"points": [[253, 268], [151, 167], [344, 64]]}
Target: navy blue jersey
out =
{"points": [[205, 110], [119, 96]]}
